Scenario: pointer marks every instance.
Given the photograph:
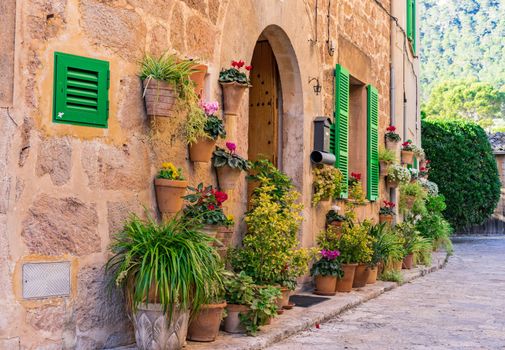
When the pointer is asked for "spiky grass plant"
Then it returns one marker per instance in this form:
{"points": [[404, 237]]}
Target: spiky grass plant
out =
{"points": [[172, 264]]}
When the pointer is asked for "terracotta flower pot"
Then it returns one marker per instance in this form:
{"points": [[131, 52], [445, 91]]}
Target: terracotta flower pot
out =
{"points": [[384, 167], [159, 97], [361, 276], [344, 284], [199, 78], [284, 298], [392, 184], [386, 218], [210, 230], [325, 285], [233, 94], [407, 157], [228, 177], [372, 277], [408, 262], [397, 266], [201, 150], [409, 201], [391, 145], [205, 325], [169, 194], [232, 321], [225, 236], [154, 331]]}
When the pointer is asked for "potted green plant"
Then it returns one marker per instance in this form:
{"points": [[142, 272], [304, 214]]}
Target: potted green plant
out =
{"points": [[167, 271], [325, 271], [413, 243], [407, 152], [327, 183], [262, 310], [239, 294], [202, 132], [398, 175], [205, 206], [234, 83], [272, 232], [410, 193], [356, 193], [392, 138], [228, 165], [170, 187], [333, 218], [386, 158], [165, 80], [387, 212]]}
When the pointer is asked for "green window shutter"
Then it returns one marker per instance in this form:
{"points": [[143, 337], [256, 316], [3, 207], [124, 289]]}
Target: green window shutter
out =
{"points": [[372, 143], [340, 128], [411, 23], [81, 90]]}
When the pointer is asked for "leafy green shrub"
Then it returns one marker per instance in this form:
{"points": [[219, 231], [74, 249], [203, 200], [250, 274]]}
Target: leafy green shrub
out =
{"points": [[392, 276], [463, 166]]}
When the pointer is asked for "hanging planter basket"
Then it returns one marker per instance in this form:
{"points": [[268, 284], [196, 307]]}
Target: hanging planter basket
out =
{"points": [[407, 157], [391, 145], [201, 150], [159, 97], [392, 184], [228, 177], [386, 218], [384, 167], [232, 94]]}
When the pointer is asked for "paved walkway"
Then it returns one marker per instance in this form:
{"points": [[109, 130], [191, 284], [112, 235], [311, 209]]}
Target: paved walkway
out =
{"points": [[459, 307]]}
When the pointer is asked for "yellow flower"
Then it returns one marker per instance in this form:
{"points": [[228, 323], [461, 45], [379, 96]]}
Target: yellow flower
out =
{"points": [[166, 165], [230, 217]]}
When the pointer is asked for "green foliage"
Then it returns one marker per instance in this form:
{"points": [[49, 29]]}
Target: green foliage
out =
{"points": [[167, 68], [269, 252], [174, 258], [168, 171], [214, 127], [356, 192], [221, 157], [333, 216], [392, 276], [239, 288], [472, 100], [328, 264], [386, 245], [433, 225], [355, 244], [414, 243], [387, 155], [463, 166], [327, 183], [205, 206], [262, 308], [412, 191]]}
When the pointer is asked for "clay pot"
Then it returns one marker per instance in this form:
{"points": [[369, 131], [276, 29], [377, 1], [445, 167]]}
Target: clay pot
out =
{"points": [[397, 265], [391, 145], [232, 321], [407, 157], [169, 194], [154, 331], [201, 150], [361, 276], [408, 262], [372, 277], [409, 201], [228, 177], [325, 285], [224, 236], [159, 97], [284, 299], [205, 325], [199, 78], [344, 284], [384, 167], [386, 218], [210, 230], [392, 184], [233, 94]]}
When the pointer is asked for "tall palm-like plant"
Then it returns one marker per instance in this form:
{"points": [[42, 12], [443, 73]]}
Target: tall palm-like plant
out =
{"points": [[171, 263]]}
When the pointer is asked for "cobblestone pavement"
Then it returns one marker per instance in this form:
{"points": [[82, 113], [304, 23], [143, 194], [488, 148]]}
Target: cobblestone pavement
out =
{"points": [[459, 307]]}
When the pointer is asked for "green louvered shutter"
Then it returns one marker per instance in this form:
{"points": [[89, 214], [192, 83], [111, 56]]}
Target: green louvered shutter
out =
{"points": [[340, 128], [372, 143], [81, 90], [411, 23]]}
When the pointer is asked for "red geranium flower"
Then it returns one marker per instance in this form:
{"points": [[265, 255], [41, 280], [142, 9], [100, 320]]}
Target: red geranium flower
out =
{"points": [[234, 64], [391, 128], [356, 176], [220, 196], [211, 207], [249, 68], [240, 64]]}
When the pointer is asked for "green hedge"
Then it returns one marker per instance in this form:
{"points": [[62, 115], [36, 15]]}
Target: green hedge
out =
{"points": [[464, 167]]}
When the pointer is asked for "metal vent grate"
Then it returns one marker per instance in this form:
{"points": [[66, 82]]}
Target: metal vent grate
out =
{"points": [[44, 280]]}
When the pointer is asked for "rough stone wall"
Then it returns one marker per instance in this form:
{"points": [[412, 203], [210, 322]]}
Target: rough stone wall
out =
{"points": [[65, 189]]}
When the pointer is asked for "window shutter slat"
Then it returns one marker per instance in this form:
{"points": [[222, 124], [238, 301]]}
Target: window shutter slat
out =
{"points": [[340, 128], [372, 143]]}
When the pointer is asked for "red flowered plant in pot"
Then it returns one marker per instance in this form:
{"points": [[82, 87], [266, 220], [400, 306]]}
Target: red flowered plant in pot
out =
{"points": [[356, 192], [392, 138], [234, 82], [407, 152], [205, 206], [386, 212]]}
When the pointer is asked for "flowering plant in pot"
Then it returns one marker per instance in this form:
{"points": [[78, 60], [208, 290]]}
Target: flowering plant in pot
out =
{"points": [[272, 226], [407, 152], [333, 217], [414, 174], [170, 187], [234, 82], [327, 183], [166, 271], [166, 80], [356, 192], [205, 206], [392, 138], [203, 130], [387, 212], [386, 158], [325, 272], [398, 175], [423, 172], [418, 152], [229, 165], [410, 194], [413, 243]]}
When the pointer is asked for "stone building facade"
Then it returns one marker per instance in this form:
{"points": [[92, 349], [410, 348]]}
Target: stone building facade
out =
{"points": [[65, 189]]}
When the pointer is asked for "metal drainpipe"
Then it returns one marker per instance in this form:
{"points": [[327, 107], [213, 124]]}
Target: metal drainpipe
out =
{"points": [[392, 87]]}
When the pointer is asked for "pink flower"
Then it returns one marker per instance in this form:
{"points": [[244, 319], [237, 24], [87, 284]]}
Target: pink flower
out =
{"points": [[209, 107], [231, 146]]}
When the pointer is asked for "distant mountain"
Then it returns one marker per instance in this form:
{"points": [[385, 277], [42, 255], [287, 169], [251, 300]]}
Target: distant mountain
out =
{"points": [[461, 39]]}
